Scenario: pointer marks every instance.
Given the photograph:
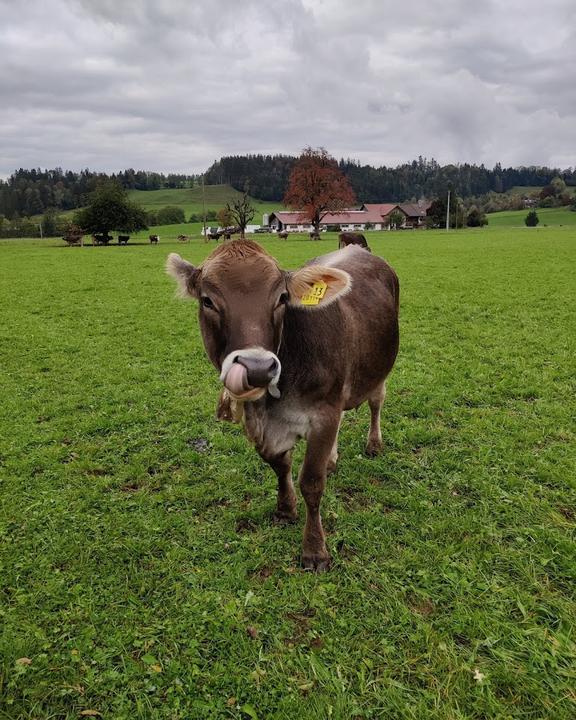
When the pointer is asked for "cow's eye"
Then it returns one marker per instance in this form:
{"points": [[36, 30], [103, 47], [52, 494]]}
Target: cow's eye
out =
{"points": [[207, 303], [283, 299]]}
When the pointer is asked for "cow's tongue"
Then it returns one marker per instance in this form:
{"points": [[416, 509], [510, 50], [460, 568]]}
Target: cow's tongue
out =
{"points": [[237, 379]]}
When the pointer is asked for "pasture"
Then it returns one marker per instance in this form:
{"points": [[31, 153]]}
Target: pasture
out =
{"points": [[140, 573], [191, 201], [548, 217]]}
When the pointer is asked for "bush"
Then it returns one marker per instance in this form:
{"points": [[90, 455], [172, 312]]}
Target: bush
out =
{"points": [[532, 219], [19, 228], [476, 218], [211, 216], [52, 225], [549, 202], [397, 219], [170, 215]]}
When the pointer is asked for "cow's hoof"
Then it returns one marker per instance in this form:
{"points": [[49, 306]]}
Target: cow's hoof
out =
{"points": [[319, 562], [373, 448], [284, 517]]}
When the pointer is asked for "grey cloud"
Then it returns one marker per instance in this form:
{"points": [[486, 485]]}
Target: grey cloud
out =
{"points": [[173, 85]]}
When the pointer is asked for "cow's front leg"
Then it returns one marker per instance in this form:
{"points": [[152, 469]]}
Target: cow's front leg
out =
{"points": [[312, 482], [286, 510]]}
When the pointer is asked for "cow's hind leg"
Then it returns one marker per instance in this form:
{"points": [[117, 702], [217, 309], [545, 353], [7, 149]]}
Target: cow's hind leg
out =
{"points": [[312, 482], [286, 510], [374, 444], [333, 459]]}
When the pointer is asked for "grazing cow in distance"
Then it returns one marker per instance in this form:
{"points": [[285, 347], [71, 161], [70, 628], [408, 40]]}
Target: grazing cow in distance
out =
{"points": [[154, 239], [351, 238], [123, 239], [183, 238], [229, 231], [294, 350], [283, 235]]}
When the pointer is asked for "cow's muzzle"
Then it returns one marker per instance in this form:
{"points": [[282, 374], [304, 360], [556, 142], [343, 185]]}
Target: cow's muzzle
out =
{"points": [[249, 372]]}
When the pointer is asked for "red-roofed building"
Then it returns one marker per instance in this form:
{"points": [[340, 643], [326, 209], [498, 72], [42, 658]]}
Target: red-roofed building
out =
{"points": [[370, 216]]}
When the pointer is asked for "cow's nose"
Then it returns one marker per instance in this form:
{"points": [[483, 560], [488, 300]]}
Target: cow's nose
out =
{"points": [[259, 371]]}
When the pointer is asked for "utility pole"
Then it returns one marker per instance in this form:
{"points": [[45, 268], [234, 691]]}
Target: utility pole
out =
{"points": [[448, 212], [204, 210], [41, 235]]}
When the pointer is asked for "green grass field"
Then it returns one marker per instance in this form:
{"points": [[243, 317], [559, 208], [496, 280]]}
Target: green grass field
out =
{"points": [[140, 573], [548, 216]]}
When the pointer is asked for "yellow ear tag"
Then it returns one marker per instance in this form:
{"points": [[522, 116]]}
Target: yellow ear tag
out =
{"points": [[315, 294]]}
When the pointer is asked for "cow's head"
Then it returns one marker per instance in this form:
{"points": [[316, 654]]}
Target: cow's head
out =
{"points": [[243, 296]]}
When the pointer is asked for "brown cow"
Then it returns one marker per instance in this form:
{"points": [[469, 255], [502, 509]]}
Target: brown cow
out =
{"points": [[294, 350], [350, 238], [229, 231]]}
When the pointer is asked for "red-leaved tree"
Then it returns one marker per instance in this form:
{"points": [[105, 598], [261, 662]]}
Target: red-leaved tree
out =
{"points": [[317, 187]]}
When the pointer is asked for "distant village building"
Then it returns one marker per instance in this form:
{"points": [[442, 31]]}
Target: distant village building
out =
{"points": [[370, 216]]}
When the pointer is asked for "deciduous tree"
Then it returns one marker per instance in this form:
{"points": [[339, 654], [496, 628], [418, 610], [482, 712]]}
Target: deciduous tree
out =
{"points": [[225, 218], [396, 219], [241, 212], [317, 187], [437, 212], [109, 209]]}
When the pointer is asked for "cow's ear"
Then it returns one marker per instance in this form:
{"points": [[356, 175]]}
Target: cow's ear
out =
{"points": [[185, 274], [317, 286]]}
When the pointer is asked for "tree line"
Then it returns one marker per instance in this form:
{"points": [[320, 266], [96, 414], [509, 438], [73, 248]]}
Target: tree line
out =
{"points": [[267, 177], [31, 192], [28, 193]]}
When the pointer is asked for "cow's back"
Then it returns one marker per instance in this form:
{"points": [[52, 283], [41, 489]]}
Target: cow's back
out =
{"points": [[342, 352]]}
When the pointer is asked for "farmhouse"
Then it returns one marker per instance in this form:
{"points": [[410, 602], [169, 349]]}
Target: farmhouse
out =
{"points": [[370, 216], [415, 213]]}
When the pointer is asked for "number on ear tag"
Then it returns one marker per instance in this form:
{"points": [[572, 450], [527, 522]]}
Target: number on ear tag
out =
{"points": [[315, 294]]}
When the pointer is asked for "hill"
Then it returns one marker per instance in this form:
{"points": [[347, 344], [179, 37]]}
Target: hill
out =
{"points": [[548, 216], [190, 199]]}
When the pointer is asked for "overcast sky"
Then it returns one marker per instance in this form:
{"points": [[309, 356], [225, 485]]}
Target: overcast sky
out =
{"points": [[172, 85]]}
